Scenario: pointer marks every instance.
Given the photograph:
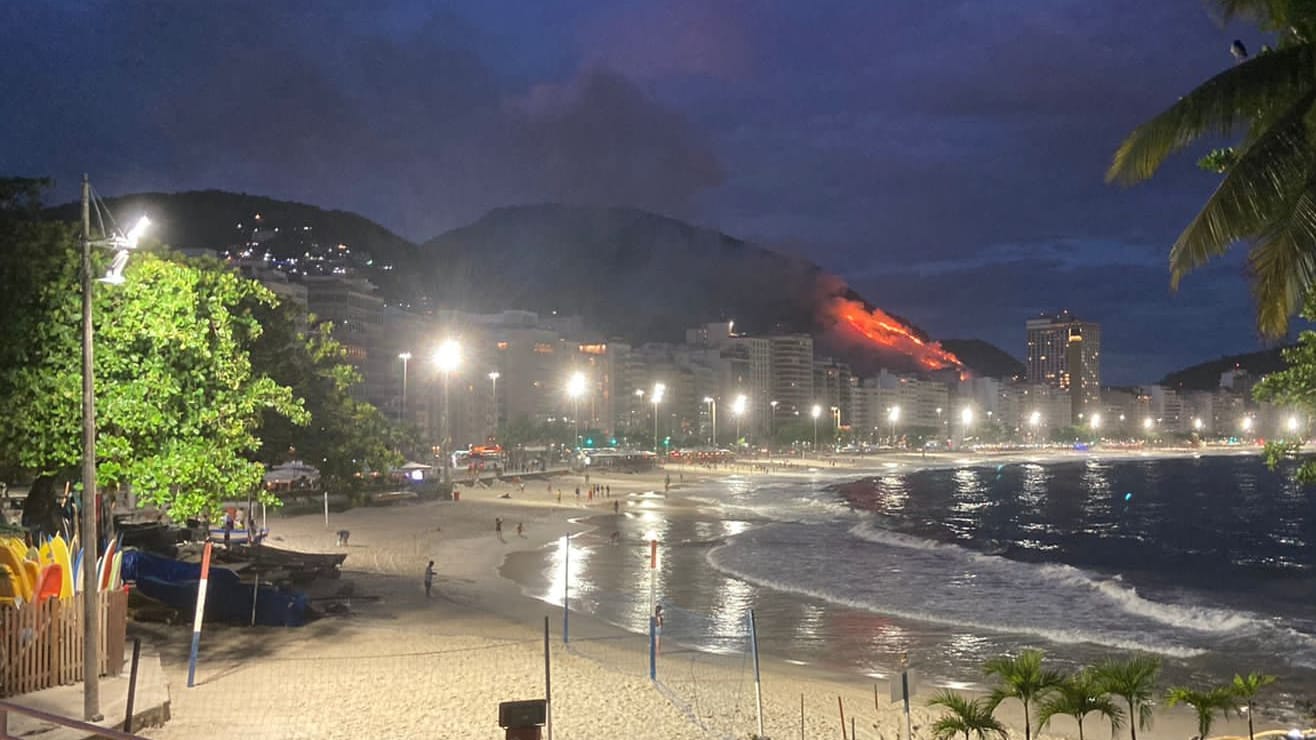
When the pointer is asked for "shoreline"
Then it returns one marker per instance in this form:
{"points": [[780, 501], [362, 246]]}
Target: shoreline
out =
{"points": [[478, 603]]}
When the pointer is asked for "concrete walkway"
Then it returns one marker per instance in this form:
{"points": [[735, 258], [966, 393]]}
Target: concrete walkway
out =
{"points": [[150, 708]]}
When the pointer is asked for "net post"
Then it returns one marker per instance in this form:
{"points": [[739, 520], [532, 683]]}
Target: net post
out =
{"points": [[758, 680], [653, 648]]}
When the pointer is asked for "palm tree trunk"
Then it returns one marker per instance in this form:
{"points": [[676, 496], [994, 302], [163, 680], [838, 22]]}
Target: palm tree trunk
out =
{"points": [[1080, 727], [1133, 721], [1250, 736], [1028, 730]]}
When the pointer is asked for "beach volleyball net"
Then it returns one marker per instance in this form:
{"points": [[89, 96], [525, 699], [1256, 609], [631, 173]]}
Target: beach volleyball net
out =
{"points": [[703, 662]]}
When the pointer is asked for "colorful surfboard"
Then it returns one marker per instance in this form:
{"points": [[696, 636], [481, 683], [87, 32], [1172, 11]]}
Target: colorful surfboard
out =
{"points": [[59, 552], [52, 580]]}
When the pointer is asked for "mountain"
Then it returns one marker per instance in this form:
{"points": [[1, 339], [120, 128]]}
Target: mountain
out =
{"points": [[985, 359], [220, 221], [1205, 376], [644, 277]]}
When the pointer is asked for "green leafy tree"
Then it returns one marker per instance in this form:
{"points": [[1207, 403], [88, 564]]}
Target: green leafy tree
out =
{"points": [[1208, 703], [1134, 681], [178, 403], [343, 436], [1022, 677], [1078, 696], [972, 717], [1294, 386], [1246, 689], [1267, 197]]}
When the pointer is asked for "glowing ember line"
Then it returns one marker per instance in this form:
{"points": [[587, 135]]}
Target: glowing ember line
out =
{"points": [[885, 331]]}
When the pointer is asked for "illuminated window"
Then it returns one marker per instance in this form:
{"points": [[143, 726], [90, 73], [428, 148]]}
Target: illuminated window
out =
{"points": [[544, 348]]}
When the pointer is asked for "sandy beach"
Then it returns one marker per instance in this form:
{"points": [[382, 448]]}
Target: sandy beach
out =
{"points": [[402, 665]]}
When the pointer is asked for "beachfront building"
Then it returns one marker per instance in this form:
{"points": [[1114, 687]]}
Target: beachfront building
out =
{"points": [[792, 373], [1032, 411], [356, 311], [923, 407], [831, 387], [1065, 352]]}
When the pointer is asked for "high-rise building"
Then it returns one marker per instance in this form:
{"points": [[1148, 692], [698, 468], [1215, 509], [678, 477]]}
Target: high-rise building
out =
{"points": [[792, 373], [1065, 352]]}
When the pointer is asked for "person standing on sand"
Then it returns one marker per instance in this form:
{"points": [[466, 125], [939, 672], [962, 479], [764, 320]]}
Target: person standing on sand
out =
{"points": [[429, 578], [616, 507]]}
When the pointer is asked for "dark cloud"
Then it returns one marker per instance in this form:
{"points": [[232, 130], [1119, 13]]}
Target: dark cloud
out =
{"points": [[415, 128], [946, 158]]}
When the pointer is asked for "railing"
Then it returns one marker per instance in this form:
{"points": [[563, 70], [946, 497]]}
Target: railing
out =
{"points": [[41, 644], [91, 730]]}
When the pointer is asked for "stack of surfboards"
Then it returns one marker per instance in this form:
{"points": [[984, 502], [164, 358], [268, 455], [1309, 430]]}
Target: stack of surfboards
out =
{"points": [[51, 571]]}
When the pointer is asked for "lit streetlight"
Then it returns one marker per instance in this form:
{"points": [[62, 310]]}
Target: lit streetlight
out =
{"points": [[447, 358], [1246, 424], [1292, 424], [1035, 421], [122, 245], [738, 410], [1147, 423], [575, 389], [1197, 424], [893, 416], [712, 410], [815, 412], [1095, 421], [405, 357], [493, 399], [772, 418], [659, 390]]}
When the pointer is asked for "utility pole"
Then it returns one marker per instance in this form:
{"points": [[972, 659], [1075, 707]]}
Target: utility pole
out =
{"points": [[91, 698]]}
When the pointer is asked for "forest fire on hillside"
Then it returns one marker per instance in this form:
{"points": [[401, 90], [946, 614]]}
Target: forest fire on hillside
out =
{"points": [[887, 332]]}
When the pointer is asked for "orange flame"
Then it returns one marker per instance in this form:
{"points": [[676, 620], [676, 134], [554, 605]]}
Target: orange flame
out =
{"points": [[886, 331]]}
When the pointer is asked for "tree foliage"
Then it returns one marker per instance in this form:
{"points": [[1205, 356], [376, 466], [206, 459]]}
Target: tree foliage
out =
{"points": [[971, 717], [178, 402], [1134, 681], [1267, 196], [1078, 696], [1293, 387], [1022, 677], [1246, 689], [344, 436], [1206, 703]]}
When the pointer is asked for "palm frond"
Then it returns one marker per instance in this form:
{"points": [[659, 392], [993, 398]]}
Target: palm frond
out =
{"points": [[1223, 104], [1256, 187], [1283, 265]]}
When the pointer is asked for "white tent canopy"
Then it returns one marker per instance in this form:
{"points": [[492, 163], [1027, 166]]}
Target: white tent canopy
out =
{"points": [[291, 471]]}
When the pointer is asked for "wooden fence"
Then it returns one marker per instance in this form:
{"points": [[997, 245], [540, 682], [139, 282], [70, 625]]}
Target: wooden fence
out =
{"points": [[41, 644]]}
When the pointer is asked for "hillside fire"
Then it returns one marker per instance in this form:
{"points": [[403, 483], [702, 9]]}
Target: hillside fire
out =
{"points": [[855, 321]]}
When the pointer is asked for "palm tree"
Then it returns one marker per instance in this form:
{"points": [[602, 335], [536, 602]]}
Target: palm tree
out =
{"points": [[1134, 681], [1079, 696], [1268, 194], [971, 717], [1246, 688], [1021, 677], [1208, 703]]}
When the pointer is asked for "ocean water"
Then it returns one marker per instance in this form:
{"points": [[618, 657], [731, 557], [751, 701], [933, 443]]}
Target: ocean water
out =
{"points": [[1208, 562]]}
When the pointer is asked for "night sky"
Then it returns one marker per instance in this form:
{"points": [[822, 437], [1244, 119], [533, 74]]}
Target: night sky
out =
{"points": [[946, 158]]}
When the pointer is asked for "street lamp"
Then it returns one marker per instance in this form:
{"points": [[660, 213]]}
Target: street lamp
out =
{"points": [[405, 357], [493, 399], [772, 419], [1147, 424], [1035, 421], [893, 416], [1197, 424], [576, 388], [1292, 424], [815, 412], [122, 245], [447, 358], [656, 397], [712, 406], [1246, 423], [738, 410]]}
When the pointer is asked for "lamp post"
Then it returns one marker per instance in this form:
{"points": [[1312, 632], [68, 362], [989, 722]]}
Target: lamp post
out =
{"points": [[575, 388], [90, 538], [656, 397], [447, 358], [1292, 426], [893, 416], [772, 419], [1148, 425], [1246, 424], [1095, 422], [966, 420], [712, 410], [402, 413], [815, 412], [493, 399], [738, 410], [1035, 421]]}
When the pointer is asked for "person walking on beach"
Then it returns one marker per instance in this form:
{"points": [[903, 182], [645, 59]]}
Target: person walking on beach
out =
{"points": [[520, 530], [498, 526], [429, 578], [616, 507]]}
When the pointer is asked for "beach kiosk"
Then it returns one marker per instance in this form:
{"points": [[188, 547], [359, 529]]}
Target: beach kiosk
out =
{"points": [[523, 720]]}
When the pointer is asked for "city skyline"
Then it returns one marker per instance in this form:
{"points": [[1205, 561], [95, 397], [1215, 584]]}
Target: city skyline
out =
{"points": [[841, 144]]}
